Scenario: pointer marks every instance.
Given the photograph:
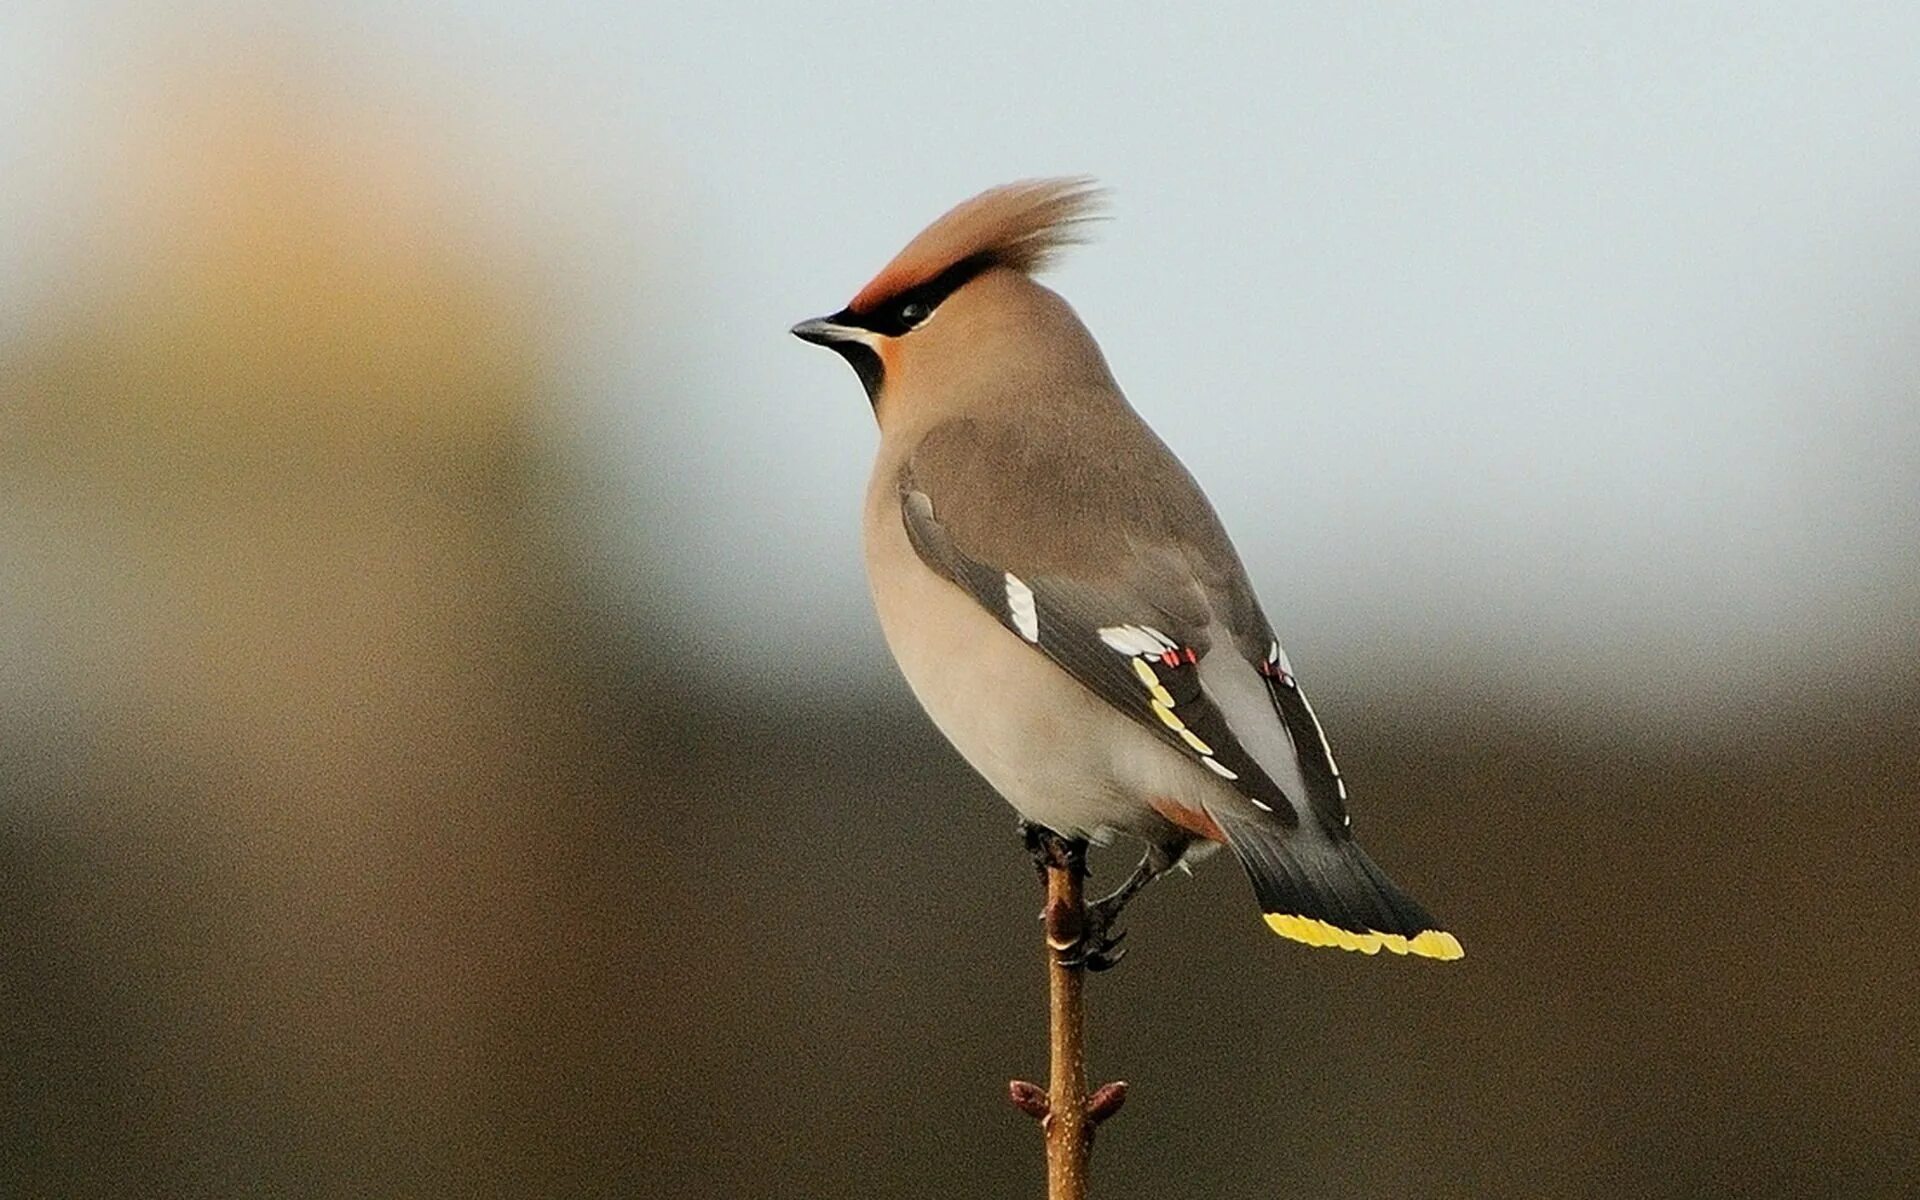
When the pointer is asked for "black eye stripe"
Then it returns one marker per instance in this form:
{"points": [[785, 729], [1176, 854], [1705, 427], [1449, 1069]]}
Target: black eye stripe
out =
{"points": [[892, 318]]}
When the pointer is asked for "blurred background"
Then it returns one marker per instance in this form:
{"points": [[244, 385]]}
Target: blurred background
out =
{"points": [[445, 748]]}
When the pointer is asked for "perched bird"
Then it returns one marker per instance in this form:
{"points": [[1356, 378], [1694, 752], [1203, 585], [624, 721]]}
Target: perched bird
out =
{"points": [[1062, 598]]}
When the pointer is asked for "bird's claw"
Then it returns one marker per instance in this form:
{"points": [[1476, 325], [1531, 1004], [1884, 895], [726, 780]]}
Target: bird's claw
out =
{"points": [[1097, 958], [1096, 950]]}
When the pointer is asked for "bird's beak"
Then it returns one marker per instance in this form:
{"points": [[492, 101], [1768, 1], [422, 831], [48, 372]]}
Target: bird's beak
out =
{"points": [[839, 334], [825, 331]]}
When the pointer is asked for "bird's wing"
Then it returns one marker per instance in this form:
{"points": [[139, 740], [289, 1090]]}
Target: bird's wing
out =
{"points": [[1107, 559]]}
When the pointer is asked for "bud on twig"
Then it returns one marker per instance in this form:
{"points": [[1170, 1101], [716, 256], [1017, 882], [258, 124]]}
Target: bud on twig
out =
{"points": [[1029, 1098], [1106, 1101]]}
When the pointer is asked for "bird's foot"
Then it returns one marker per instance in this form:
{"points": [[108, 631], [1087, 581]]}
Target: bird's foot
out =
{"points": [[1098, 947], [1083, 939]]}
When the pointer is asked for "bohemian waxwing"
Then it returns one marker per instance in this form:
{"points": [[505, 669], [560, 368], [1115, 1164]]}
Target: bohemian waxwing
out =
{"points": [[1063, 600]]}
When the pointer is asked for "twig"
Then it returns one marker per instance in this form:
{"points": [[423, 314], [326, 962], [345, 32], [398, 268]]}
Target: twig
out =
{"points": [[1068, 1116]]}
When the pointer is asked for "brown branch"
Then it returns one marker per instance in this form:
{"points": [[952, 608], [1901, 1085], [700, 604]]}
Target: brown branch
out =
{"points": [[1067, 1114]]}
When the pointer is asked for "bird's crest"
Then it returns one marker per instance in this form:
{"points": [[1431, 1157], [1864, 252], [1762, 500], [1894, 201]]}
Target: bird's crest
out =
{"points": [[1019, 225]]}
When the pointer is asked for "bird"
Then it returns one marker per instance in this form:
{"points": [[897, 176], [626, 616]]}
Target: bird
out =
{"points": [[1064, 601]]}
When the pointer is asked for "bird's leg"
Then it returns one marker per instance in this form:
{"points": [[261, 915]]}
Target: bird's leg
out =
{"points": [[1099, 948], [1049, 849], [1035, 837]]}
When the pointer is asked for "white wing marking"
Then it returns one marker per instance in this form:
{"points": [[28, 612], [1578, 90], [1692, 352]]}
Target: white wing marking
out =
{"points": [[1020, 608]]}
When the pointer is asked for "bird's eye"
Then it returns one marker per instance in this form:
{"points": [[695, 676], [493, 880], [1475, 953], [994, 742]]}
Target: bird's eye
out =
{"points": [[913, 313]]}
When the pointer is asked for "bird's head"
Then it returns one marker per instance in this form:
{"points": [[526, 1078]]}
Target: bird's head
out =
{"points": [[961, 289]]}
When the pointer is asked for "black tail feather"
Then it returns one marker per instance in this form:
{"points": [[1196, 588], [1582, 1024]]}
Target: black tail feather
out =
{"points": [[1327, 892]]}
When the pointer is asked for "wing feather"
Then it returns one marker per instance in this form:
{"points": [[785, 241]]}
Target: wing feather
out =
{"points": [[1147, 673], [1130, 577]]}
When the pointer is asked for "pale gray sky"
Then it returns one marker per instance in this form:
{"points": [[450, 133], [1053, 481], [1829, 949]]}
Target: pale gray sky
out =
{"points": [[1585, 340]]}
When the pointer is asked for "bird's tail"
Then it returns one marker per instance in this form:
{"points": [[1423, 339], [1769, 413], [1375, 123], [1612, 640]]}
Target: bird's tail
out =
{"points": [[1325, 891]]}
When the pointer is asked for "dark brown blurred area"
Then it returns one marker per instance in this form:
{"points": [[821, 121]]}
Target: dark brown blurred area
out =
{"points": [[352, 842]]}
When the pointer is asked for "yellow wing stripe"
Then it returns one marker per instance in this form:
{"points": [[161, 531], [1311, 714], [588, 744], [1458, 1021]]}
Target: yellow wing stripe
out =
{"points": [[1163, 708], [1431, 943], [1152, 681]]}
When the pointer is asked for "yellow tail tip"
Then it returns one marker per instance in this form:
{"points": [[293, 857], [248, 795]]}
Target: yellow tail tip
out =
{"points": [[1429, 943]]}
